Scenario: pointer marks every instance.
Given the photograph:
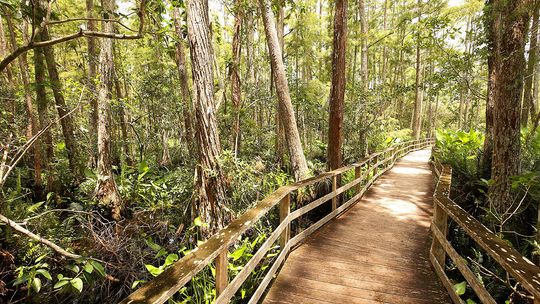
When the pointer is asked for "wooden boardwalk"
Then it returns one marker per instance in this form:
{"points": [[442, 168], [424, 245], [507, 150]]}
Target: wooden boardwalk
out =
{"points": [[377, 252]]}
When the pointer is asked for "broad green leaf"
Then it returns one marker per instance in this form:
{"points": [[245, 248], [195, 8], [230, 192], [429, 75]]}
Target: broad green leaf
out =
{"points": [[88, 267], [61, 283], [44, 273], [238, 253], [197, 222], [469, 301], [36, 284], [77, 283], [155, 271], [171, 258], [460, 288], [99, 268]]}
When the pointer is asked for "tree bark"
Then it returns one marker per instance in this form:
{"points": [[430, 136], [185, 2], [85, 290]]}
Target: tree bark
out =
{"points": [[286, 112], [490, 20], [43, 113], [419, 91], [183, 77], [236, 93], [211, 202], [106, 189], [33, 125], [92, 75], [337, 91], [510, 24], [528, 102], [67, 121], [364, 46], [126, 149]]}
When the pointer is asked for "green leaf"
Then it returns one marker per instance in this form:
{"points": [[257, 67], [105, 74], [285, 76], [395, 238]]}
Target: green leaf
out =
{"points": [[98, 267], [469, 301], [33, 208], [460, 288], [238, 253], [155, 271], [60, 283], [88, 267], [197, 222], [44, 273], [171, 258], [73, 268], [36, 284], [77, 283], [136, 283]]}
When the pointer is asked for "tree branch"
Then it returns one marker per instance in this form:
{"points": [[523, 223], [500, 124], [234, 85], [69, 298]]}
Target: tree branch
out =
{"points": [[81, 33], [38, 238]]}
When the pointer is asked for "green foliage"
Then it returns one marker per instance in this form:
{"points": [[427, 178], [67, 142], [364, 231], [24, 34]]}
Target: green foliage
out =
{"points": [[460, 150]]}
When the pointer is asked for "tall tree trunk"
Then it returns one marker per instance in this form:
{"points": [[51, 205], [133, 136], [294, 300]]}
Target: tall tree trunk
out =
{"points": [[43, 114], [337, 91], [106, 190], [126, 149], [419, 91], [364, 46], [67, 121], [211, 204], [9, 80], [286, 112], [183, 77], [33, 125], [236, 92], [92, 75], [510, 24], [528, 102], [280, 134], [487, 157]]}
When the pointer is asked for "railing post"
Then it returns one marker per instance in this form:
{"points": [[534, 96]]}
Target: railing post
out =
{"points": [[375, 165], [222, 275], [440, 220], [334, 187], [284, 210], [357, 174]]}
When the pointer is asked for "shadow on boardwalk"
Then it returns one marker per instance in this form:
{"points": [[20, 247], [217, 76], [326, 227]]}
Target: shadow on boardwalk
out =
{"points": [[377, 252]]}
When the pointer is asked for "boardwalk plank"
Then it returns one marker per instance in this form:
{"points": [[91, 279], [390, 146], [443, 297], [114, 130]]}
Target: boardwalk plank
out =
{"points": [[377, 252]]}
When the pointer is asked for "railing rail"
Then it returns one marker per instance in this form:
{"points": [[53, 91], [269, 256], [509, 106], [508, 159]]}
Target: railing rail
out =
{"points": [[518, 266], [216, 248]]}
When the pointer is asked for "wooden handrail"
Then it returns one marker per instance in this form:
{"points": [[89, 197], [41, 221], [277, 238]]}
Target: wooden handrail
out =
{"points": [[216, 247], [518, 266]]}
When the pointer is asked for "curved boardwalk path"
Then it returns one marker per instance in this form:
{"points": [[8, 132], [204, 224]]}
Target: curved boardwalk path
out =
{"points": [[377, 252]]}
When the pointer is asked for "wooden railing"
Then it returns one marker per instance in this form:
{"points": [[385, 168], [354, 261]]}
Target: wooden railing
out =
{"points": [[517, 266], [216, 248]]}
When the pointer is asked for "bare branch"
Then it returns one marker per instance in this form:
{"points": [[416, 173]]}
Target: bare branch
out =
{"points": [[81, 33], [38, 238]]}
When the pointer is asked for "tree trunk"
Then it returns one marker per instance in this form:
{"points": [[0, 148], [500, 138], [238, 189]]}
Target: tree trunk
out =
{"points": [[236, 93], [183, 77], [485, 170], [126, 149], [67, 121], [364, 46], [280, 134], [43, 114], [286, 112], [33, 125], [337, 91], [211, 203], [528, 102], [92, 75], [508, 67], [106, 190], [419, 92]]}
